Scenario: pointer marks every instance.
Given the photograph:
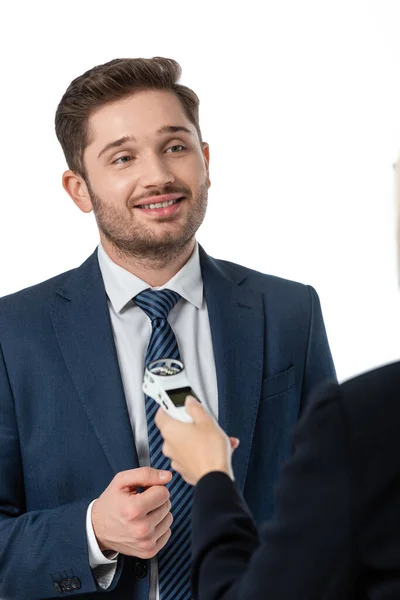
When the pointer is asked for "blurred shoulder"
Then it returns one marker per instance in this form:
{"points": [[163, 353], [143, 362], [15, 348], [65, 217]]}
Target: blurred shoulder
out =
{"points": [[369, 404]]}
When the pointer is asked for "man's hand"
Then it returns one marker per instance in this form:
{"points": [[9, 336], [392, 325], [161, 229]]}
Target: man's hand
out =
{"points": [[196, 448], [133, 523]]}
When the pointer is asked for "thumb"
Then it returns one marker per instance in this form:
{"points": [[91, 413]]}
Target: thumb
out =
{"points": [[234, 442], [195, 409], [143, 477]]}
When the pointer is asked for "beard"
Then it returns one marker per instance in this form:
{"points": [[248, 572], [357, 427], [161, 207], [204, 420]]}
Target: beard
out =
{"points": [[140, 242]]}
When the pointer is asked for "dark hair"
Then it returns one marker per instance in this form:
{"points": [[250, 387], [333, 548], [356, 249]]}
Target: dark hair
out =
{"points": [[106, 83]]}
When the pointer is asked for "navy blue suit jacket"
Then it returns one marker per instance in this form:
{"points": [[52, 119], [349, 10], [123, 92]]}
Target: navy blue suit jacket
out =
{"points": [[335, 534], [64, 425]]}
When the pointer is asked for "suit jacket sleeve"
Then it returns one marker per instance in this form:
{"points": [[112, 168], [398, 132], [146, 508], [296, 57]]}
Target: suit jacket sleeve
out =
{"points": [[51, 544], [309, 537], [319, 367]]}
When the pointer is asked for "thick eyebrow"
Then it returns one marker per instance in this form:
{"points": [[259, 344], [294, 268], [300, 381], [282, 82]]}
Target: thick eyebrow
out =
{"points": [[117, 143], [173, 129], [131, 138]]}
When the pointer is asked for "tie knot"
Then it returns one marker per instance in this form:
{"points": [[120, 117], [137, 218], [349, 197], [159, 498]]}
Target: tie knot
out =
{"points": [[157, 303]]}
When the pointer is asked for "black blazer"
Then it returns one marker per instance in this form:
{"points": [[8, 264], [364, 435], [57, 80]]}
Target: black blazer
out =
{"points": [[335, 533]]}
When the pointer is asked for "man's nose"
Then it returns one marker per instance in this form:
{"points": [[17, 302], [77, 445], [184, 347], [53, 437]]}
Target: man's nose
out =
{"points": [[155, 172]]}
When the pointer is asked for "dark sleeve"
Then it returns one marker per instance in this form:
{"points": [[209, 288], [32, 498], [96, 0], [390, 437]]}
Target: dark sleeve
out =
{"points": [[38, 548], [319, 368], [308, 539]]}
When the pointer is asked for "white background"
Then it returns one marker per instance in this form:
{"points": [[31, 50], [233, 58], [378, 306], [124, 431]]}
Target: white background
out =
{"points": [[300, 102]]}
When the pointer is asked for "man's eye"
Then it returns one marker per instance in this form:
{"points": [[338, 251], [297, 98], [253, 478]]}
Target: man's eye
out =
{"points": [[176, 148], [122, 159]]}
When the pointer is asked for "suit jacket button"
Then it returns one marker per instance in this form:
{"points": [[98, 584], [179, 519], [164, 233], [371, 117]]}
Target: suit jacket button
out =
{"points": [[66, 585], [57, 586], [140, 569], [75, 583]]}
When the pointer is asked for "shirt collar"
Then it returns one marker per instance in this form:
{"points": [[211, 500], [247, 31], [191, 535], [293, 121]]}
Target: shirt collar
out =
{"points": [[121, 285]]}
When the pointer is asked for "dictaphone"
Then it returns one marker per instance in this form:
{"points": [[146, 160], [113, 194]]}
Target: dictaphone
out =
{"points": [[166, 382]]}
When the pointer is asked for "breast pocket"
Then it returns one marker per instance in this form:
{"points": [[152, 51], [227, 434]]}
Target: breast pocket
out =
{"points": [[278, 384]]}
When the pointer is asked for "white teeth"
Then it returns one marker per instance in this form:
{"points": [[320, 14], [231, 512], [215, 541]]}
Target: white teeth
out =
{"points": [[159, 204]]}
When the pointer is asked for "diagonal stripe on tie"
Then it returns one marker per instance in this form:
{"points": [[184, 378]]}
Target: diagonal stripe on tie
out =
{"points": [[174, 560]]}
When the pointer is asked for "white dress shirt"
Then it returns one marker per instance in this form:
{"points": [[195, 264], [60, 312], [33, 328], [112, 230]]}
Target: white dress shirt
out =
{"points": [[132, 330]]}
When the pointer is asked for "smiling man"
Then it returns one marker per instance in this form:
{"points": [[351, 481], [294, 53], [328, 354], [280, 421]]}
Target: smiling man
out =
{"points": [[88, 502], [149, 189]]}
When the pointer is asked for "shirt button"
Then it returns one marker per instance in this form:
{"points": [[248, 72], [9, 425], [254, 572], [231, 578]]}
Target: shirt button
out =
{"points": [[140, 569]]}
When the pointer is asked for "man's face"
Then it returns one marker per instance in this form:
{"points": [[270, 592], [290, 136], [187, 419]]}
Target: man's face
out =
{"points": [[145, 151]]}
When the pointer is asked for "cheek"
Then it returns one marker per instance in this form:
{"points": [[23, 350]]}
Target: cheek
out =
{"points": [[195, 172], [116, 185]]}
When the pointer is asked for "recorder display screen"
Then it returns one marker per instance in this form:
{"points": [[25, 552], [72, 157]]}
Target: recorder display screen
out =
{"points": [[178, 396]]}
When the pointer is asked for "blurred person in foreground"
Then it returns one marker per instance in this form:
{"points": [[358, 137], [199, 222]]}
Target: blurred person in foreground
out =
{"points": [[335, 533]]}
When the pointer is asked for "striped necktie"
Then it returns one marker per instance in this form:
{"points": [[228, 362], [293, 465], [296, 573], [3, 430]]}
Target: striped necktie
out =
{"points": [[174, 560]]}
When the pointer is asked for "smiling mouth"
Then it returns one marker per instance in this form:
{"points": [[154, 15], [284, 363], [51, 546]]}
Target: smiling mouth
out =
{"points": [[158, 204]]}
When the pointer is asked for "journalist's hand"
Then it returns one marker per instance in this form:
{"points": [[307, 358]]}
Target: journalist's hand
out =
{"points": [[197, 448], [131, 522]]}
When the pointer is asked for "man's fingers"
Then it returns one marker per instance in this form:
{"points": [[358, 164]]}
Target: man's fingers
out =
{"points": [[159, 514], [151, 499], [163, 525], [143, 477], [163, 540]]}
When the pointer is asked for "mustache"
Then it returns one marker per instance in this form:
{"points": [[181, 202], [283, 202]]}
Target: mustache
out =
{"points": [[172, 189]]}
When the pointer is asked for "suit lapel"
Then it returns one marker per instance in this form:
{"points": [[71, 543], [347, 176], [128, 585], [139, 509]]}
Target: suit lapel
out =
{"points": [[237, 328], [82, 324]]}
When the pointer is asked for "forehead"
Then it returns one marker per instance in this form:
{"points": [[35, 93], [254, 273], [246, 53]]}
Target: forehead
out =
{"points": [[140, 114]]}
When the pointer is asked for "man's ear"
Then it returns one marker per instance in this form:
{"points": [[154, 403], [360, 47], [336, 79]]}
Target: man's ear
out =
{"points": [[206, 155], [76, 187]]}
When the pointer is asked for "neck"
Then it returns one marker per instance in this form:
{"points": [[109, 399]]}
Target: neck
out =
{"points": [[155, 272]]}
